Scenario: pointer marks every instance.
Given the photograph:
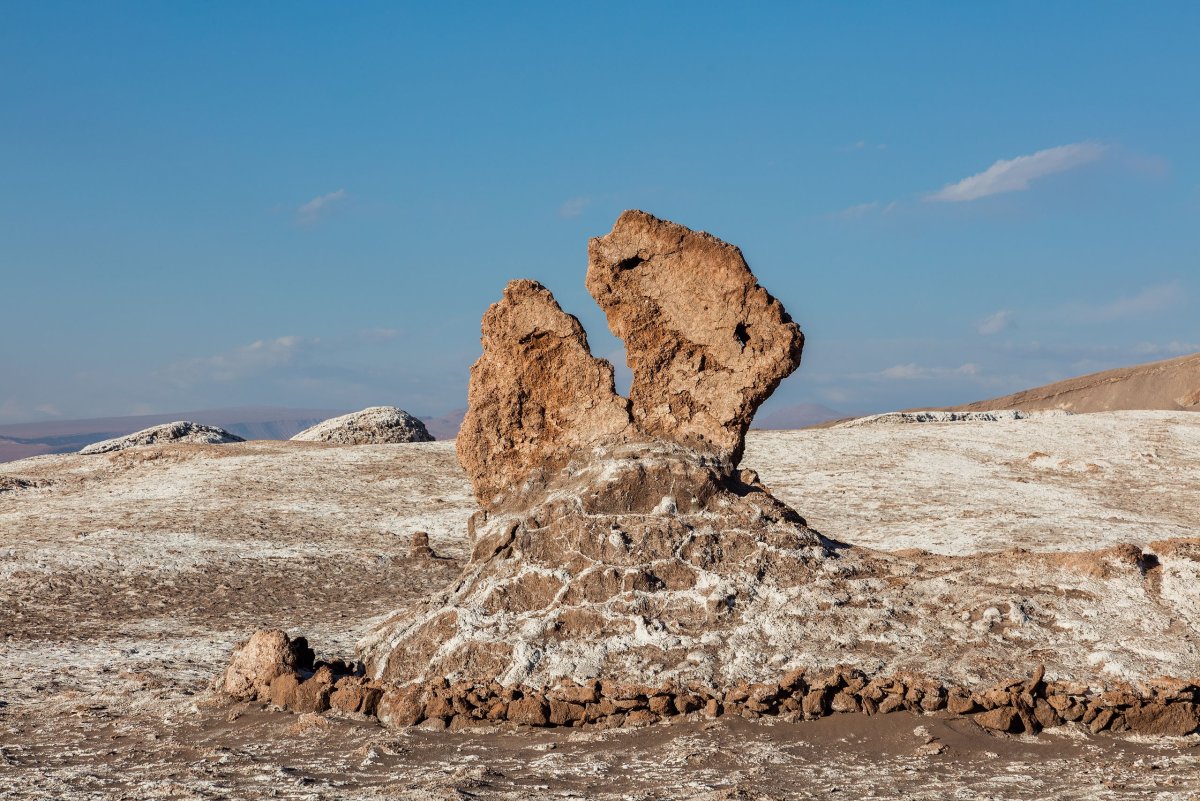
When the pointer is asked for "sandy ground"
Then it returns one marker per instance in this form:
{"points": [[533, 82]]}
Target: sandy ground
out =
{"points": [[126, 578]]}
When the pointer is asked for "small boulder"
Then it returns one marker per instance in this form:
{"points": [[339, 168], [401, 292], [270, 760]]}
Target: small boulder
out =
{"points": [[258, 661]]}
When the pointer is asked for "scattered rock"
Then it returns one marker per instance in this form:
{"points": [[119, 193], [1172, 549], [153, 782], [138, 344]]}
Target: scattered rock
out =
{"points": [[377, 425], [938, 416], [259, 660], [179, 431]]}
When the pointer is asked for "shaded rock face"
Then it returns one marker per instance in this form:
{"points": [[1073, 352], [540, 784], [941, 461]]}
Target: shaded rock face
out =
{"points": [[377, 425], [706, 344], [180, 431]]}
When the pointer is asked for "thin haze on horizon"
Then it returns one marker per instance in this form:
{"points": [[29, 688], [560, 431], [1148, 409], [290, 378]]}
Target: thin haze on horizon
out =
{"points": [[311, 205]]}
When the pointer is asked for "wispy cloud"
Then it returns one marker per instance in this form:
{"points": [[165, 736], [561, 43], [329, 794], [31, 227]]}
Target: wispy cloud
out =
{"points": [[912, 372], [1013, 175], [574, 207], [1152, 299], [246, 360], [312, 211], [995, 323], [857, 211]]}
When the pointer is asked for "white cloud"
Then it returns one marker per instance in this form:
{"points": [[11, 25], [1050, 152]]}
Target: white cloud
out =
{"points": [[574, 207], [1151, 299], [311, 211], [1011, 175], [995, 323], [856, 212], [910, 372], [257, 357]]}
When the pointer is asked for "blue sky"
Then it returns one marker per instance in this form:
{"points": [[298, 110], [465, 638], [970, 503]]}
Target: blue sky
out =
{"points": [[223, 204]]}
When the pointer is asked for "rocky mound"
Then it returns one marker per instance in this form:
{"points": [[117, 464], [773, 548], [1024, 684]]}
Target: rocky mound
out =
{"points": [[180, 431], [624, 569], [939, 416], [377, 425], [1173, 384]]}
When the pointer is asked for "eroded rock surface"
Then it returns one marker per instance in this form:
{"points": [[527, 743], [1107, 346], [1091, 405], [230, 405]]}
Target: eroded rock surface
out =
{"points": [[179, 431], [537, 396], [705, 342], [377, 425]]}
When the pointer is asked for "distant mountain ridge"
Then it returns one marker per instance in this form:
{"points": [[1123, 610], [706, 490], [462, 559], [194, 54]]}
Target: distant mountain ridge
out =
{"points": [[65, 436]]}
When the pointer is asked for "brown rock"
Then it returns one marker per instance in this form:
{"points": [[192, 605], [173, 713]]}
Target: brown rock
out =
{"points": [[712, 708], [1002, 719], [813, 705], [283, 690], [705, 343], [661, 705], [1176, 719], [1046, 715], [640, 717], [313, 693], [891, 702], [256, 662], [529, 711], [563, 713], [400, 707], [419, 548], [1102, 720], [355, 695], [536, 397], [845, 702]]}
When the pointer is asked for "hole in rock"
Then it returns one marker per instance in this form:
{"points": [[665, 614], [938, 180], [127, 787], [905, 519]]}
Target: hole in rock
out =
{"points": [[630, 263], [741, 334]]}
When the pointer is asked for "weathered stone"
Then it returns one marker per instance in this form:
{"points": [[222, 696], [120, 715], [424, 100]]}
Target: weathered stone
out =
{"points": [[705, 343], [256, 662], [1046, 715], [845, 702], [401, 706], [529, 711], [564, 713], [1001, 719], [1177, 719], [1102, 720], [283, 690], [313, 693], [355, 695], [814, 704], [537, 397]]}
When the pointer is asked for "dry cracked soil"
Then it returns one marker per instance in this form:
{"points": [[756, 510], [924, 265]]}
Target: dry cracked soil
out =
{"points": [[127, 578]]}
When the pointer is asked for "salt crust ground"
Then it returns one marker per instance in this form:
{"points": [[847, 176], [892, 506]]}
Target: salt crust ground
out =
{"points": [[127, 578]]}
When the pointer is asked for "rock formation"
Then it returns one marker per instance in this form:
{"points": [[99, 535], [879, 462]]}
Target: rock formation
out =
{"points": [[537, 397], [180, 431], [377, 425], [623, 570], [705, 342]]}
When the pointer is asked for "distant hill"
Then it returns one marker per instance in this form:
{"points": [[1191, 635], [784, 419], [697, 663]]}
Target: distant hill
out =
{"points": [[446, 426], [800, 415], [66, 436], [1173, 384]]}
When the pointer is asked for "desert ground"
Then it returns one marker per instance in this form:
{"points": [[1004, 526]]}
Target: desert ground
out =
{"points": [[127, 578]]}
